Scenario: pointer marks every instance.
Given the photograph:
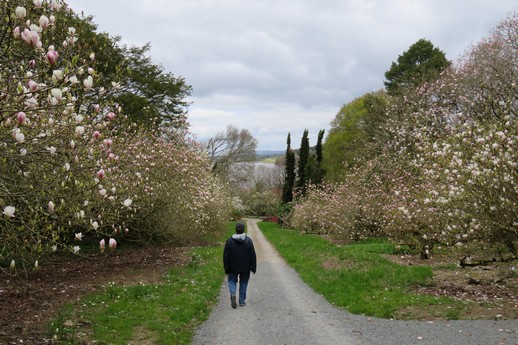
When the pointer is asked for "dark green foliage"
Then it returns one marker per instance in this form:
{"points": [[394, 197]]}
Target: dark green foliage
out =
{"points": [[421, 63], [303, 161], [289, 175], [150, 93]]}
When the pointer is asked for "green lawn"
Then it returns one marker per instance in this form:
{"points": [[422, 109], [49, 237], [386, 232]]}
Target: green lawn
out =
{"points": [[165, 313], [357, 276]]}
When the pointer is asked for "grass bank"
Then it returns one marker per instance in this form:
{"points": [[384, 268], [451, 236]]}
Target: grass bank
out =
{"points": [[358, 277], [165, 313]]}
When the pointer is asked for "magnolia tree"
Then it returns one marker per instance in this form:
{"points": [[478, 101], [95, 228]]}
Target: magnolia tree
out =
{"points": [[73, 166], [447, 174], [461, 146]]}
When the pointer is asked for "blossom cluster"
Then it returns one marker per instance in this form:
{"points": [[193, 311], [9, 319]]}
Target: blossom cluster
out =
{"points": [[447, 171], [74, 166]]}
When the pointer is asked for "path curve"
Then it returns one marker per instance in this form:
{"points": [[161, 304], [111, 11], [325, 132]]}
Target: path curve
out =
{"points": [[282, 309]]}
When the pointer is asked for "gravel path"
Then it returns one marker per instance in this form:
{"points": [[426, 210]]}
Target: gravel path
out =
{"points": [[282, 309]]}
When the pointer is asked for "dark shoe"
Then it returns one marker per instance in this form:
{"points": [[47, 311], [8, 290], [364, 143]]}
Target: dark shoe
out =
{"points": [[233, 302], [242, 304]]}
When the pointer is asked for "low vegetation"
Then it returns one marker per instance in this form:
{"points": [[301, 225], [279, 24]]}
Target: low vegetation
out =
{"points": [[362, 279]]}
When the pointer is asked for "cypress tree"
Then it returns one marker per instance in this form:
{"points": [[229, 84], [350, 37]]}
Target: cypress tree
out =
{"points": [[289, 173], [303, 161]]}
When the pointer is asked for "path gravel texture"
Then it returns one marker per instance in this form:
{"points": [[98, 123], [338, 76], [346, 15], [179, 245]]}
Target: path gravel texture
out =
{"points": [[282, 309]]}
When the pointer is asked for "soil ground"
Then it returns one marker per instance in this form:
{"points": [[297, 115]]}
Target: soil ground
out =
{"points": [[29, 303]]}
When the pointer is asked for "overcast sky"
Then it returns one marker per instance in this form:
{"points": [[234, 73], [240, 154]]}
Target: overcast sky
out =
{"points": [[279, 66]]}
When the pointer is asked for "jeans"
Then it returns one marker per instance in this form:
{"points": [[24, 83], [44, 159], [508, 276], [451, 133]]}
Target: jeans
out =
{"points": [[243, 284]]}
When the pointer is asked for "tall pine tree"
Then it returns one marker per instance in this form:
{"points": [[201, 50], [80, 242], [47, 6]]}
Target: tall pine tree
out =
{"points": [[289, 173], [303, 161]]}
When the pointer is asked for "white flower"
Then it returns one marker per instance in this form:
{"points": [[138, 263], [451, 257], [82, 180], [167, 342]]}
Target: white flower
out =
{"points": [[80, 130], [95, 225], [127, 202], [76, 249], [54, 248], [19, 136], [50, 207], [52, 150], [9, 211], [20, 12], [73, 80], [79, 236], [58, 95], [57, 74], [36, 264], [13, 264], [103, 192], [88, 82]]}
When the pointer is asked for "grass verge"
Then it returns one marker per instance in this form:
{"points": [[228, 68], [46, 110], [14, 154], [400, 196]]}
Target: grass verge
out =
{"points": [[357, 276], [166, 313]]}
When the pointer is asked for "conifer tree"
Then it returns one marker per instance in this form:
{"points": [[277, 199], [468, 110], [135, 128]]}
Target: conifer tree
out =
{"points": [[289, 176], [303, 161]]}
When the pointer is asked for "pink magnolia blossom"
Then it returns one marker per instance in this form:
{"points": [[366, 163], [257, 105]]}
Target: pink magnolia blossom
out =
{"points": [[97, 135], [32, 38], [33, 86], [21, 117], [112, 243], [100, 174], [16, 32], [111, 115], [52, 57], [102, 245], [38, 3]]}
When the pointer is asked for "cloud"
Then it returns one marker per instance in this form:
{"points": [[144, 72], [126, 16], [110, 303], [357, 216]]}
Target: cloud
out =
{"points": [[279, 66]]}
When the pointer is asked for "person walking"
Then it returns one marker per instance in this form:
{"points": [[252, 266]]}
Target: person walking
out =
{"points": [[239, 260]]}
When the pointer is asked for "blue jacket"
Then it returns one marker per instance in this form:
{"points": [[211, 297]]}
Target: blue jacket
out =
{"points": [[239, 256]]}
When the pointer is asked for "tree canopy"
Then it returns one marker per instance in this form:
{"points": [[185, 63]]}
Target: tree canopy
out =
{"points": [[422, 62]]}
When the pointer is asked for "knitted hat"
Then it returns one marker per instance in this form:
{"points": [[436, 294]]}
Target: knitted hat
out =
{"points": [[240, 228]]}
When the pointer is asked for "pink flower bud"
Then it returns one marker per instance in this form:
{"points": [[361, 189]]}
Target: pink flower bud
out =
{"points": [[32, 63], [112, 243], [100, 174], [97, 108], [33, 86], [110, 115], [20, 116], [102, 245], [52, 57], [97, 135], [16, 32]]}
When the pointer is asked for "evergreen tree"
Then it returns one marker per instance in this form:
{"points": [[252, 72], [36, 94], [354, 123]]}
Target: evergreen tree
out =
{"points": [[421, 63], [303, 161], [318, 148], [289, 175]]}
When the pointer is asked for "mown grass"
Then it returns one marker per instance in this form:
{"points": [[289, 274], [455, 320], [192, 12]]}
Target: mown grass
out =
{"points": [[166, 313], [357, 276]]}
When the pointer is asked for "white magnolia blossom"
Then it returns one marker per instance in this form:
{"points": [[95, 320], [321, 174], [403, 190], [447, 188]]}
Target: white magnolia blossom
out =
{"points": [[127, 202], [9, 211]]}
